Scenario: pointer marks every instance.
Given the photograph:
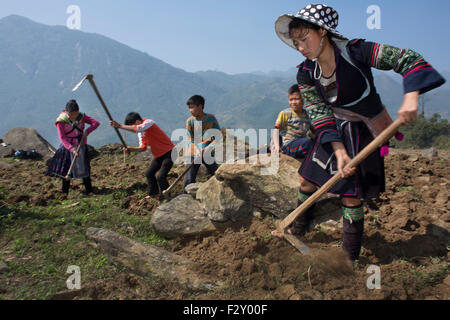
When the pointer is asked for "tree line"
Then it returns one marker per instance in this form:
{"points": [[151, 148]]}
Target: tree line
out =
{"points": [[425, 133]]}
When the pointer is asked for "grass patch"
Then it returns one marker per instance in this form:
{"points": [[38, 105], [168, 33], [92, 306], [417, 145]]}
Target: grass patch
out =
{"points": [[427, 279], [42, 242]]}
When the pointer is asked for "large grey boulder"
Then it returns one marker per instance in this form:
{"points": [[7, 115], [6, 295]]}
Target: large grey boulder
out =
{"points": [[225, 201], [235, 193], [26, 139], [264, 187], [271, 187], [145, 259], [6, 151], [181, 217]]}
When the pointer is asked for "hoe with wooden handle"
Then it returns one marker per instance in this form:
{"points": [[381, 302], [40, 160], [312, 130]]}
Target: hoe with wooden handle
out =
{"points": [[67, 177], [167, 191], [387, 134], [90, 77]]}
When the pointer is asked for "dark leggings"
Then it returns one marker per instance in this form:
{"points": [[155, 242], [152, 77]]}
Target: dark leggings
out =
{"points": [[162, 164], [191, 175], [352, 240], [86, 181]]}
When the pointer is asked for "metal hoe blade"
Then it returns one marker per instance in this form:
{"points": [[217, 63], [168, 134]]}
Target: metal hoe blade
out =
{"points": [[81, 82]]}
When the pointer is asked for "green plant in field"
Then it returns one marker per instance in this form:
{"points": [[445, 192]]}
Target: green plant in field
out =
{"points": [[416, 195], [429, 279], [19, 244], [153, 239]]}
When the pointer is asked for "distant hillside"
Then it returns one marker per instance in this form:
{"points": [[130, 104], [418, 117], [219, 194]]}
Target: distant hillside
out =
{"points": [[41, 64]]}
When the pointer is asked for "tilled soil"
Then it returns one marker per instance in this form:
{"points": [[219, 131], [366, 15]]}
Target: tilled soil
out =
{"points": [[406, 237]]}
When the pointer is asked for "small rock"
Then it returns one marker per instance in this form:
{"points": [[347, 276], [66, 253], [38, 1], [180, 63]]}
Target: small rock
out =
{"points": [[328, 225], [3, 267], [424, 179], [193, 188], [257, 214], [181, 217], [414, 158], [429, 153]]}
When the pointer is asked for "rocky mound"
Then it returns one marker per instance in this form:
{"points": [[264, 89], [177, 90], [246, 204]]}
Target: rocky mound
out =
{"points": [[27, 139]]}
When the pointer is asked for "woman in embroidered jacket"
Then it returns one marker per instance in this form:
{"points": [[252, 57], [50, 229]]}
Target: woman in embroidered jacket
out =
{"points": [[336, 76], [70, 125]]}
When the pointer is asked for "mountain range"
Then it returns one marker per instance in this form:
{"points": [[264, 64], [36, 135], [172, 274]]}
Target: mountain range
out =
{"points": [[40, 64]]}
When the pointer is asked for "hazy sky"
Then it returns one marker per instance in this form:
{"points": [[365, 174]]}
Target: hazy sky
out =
{"points": [[237, 36]]}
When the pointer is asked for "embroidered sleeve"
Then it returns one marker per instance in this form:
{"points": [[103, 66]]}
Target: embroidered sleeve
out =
{"points": [[418, 74], [319, 113]]}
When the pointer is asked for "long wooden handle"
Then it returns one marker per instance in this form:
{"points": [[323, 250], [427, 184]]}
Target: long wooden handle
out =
{"points": [[178, 179], [75, 157], [91, 81], [387, 134], [184, 172]]}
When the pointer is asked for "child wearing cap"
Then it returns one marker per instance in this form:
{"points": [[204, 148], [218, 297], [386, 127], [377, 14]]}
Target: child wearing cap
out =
{"points": [[340, 98], [70, 125], [150, 135], [292, 126]]}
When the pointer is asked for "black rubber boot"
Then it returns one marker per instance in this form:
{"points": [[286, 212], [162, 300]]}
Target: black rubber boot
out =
{"points": [[300, 226], [87, 184], [352, 241], [65, 186]]}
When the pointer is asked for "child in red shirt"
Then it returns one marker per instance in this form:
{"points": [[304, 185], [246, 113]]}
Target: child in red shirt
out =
{"points": [[150, 135]]}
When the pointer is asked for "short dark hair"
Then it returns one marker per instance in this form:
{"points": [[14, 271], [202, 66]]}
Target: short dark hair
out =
{"points": [[131, 118], [293, 89], [72, 106], [305, 26], [197, 100]]}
